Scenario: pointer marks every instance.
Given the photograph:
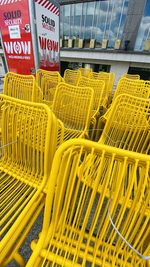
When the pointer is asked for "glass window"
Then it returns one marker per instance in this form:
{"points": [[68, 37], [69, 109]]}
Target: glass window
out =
{"points": [[72, 29], [89, 19], [66, 21], [119, 10], [102, 21], [111, 17], [94, 20], [61, 21], [83, 19], [78, 19], [144, 29]]}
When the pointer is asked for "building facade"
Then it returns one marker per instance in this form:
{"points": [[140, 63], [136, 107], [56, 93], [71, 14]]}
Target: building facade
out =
{"points": [[107, 35]]}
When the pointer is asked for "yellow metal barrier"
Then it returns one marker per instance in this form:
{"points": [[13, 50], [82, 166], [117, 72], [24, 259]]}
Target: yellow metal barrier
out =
{"points": [[30, 136], [128, 124], [73, 106], [72, 76], [87, 222]]}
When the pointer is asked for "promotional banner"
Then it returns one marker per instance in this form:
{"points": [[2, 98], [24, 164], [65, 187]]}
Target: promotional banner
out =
{"points": [[16, 35], [47, 19]]}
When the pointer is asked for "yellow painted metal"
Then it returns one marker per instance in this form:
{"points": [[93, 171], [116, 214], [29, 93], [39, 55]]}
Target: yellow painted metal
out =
{"points": [[20, 86], [131, 76], [98, 87], [48, 81], [48, 88], [72, 76], [128, 124], [108, 78], [138, 88], [40, 74], [30, 134], [85, 71], [93, 186], [73, 106]]}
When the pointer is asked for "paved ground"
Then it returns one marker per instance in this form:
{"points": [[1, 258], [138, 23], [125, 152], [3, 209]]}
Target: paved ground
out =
{"points": [[33, 234], [1, 85]]}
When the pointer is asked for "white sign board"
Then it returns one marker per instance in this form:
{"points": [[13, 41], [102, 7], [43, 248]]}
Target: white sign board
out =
{"points": [[14, 32], [47, 21]]}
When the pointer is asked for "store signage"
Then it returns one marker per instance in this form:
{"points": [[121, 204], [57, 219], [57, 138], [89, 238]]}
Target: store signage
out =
{"points": [[47, 19], [18, 48], [47, 44], [16, 36]]}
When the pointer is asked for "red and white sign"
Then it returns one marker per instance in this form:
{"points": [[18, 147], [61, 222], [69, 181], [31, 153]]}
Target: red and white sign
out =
{"points": [[47, 19], [16, 35]]}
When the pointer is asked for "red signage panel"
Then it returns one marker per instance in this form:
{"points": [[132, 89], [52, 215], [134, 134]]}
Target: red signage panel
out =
{"points": [[16, 35]]}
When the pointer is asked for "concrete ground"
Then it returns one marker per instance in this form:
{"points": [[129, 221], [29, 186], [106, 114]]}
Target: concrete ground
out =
{"points": [[33, 234]]}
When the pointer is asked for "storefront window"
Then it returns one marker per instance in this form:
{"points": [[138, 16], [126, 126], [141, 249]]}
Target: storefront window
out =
{"points": [[95, 20], [117, 21], [144, 29], [66, 21], [78, 19], [72, 23]]}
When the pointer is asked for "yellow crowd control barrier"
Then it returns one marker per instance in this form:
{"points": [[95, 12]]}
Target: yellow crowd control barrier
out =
{"points": [[87, 222], [73, 106], [128, 124], [85, 71], [72, 76], [20, 86], [29, 141], [98, 87]]}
